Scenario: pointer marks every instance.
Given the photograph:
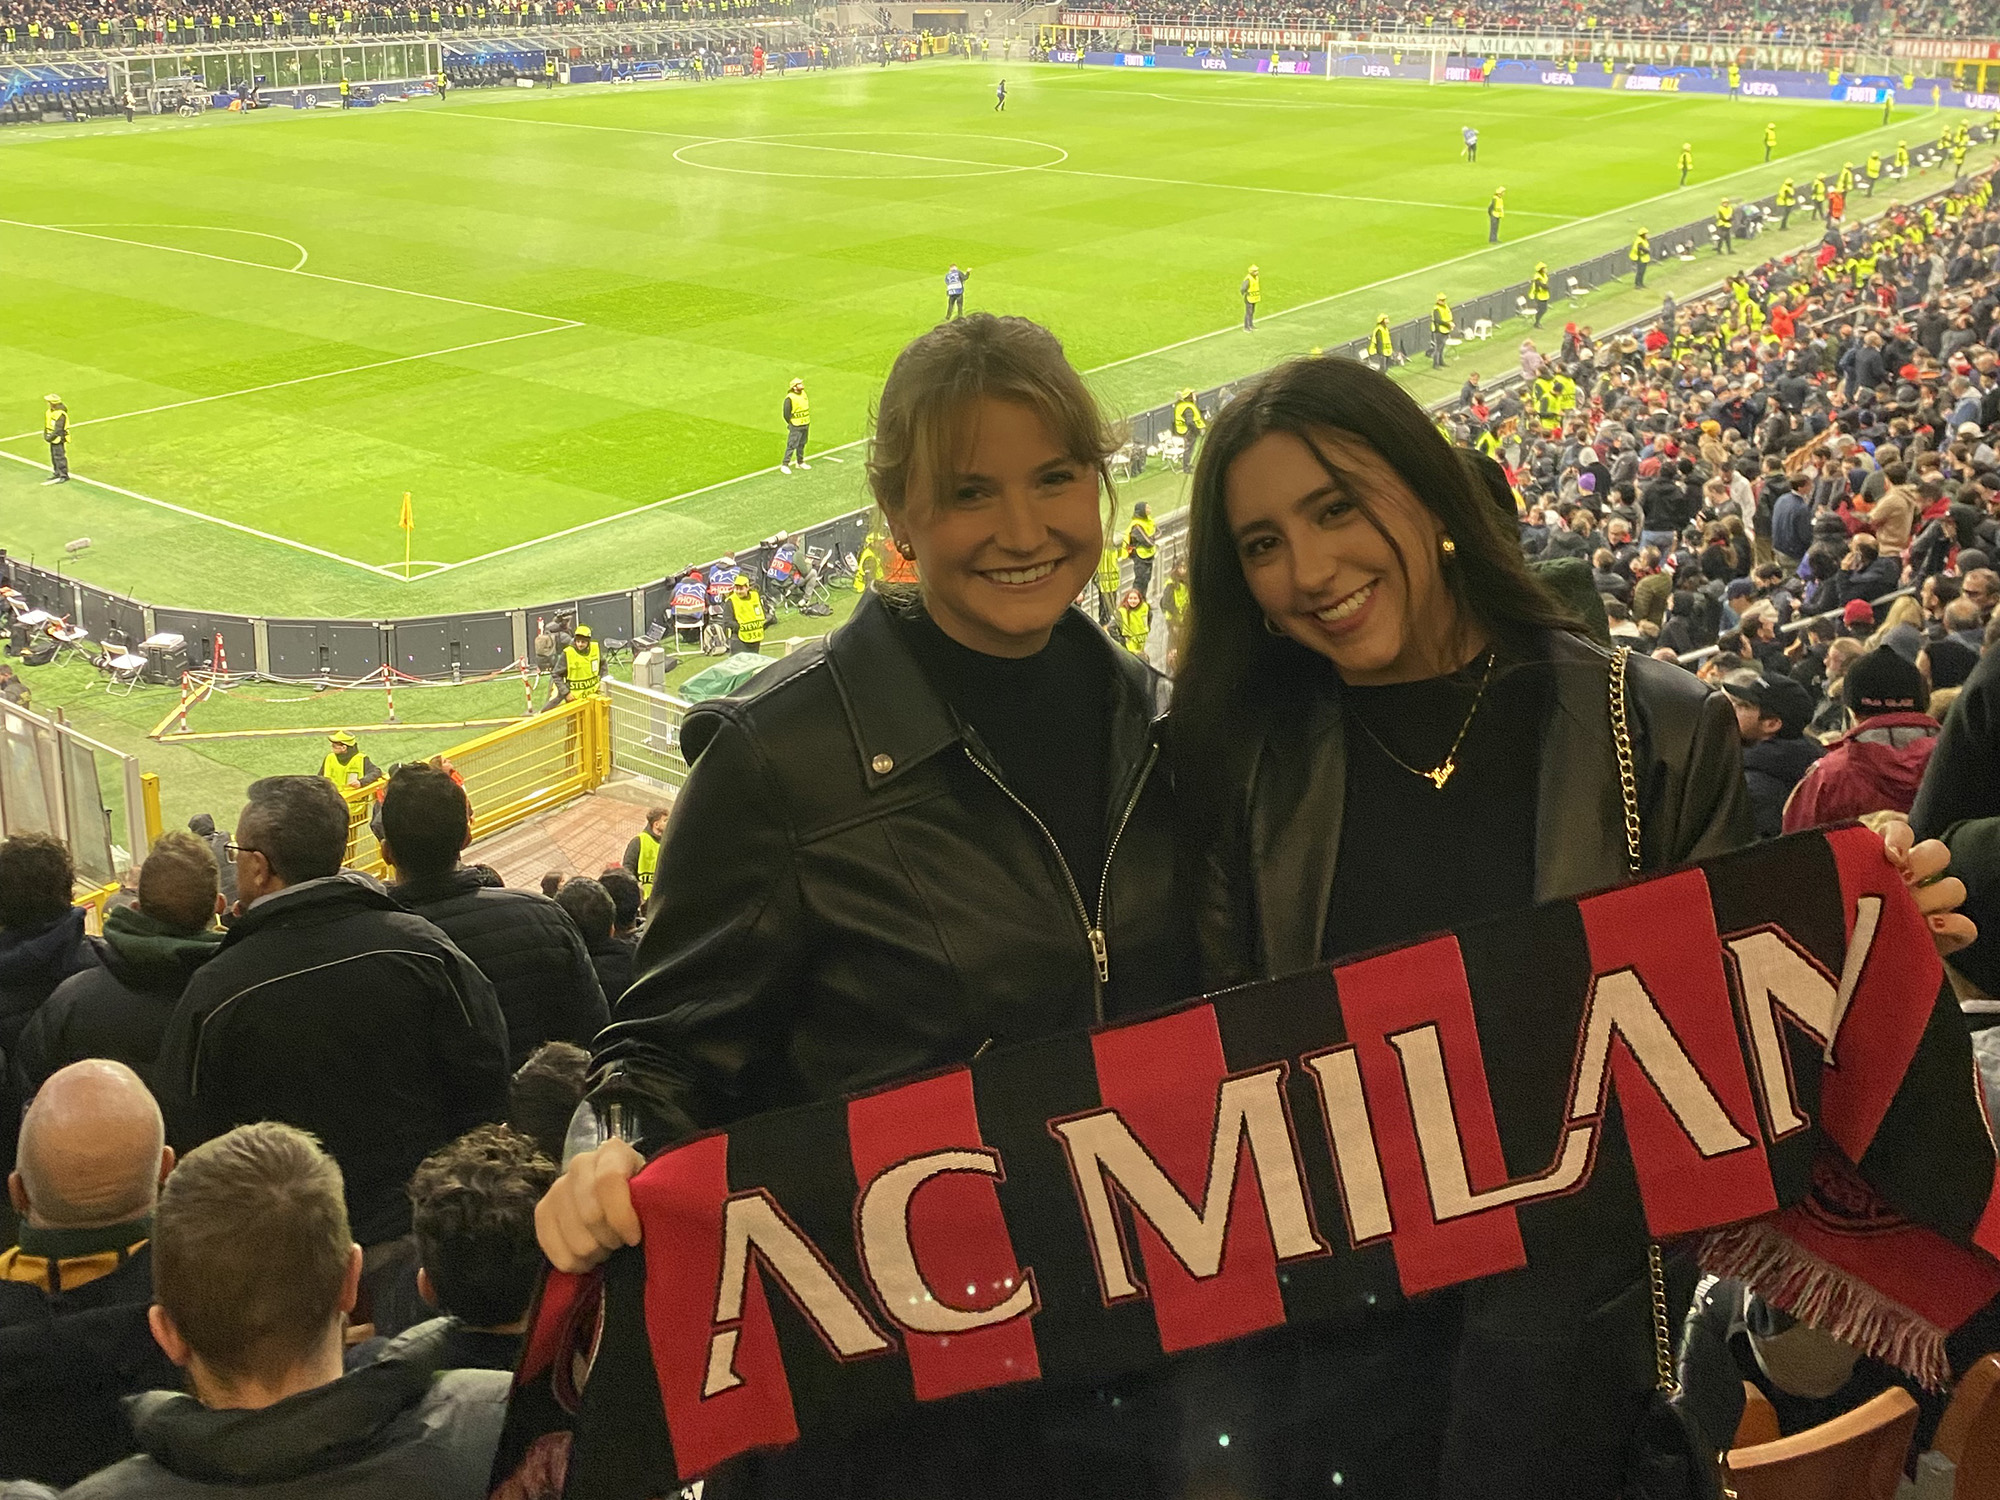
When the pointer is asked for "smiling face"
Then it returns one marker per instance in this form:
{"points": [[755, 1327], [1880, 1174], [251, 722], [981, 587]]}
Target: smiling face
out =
{"points": [[1342, 556], [1011, 539]]}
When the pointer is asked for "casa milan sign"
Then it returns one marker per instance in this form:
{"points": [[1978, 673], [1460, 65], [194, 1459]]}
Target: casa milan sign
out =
{"points": [[1665, 1058]]}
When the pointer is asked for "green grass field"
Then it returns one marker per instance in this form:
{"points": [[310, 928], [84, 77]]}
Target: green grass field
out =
{"points": [[564, 322]]}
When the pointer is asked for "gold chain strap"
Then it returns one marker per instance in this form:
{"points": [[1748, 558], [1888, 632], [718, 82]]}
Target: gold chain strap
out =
{"points": [[1628, 788]]}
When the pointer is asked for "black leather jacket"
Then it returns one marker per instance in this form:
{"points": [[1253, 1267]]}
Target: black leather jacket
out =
{"points": [[1554, 1364], [848, 894], [1266, 884]]}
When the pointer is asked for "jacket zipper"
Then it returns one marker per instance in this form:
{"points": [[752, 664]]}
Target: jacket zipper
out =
{"points": [[1093, 931]]}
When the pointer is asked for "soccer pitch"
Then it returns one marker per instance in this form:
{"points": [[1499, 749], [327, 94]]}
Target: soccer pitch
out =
{"points": [[564, 322]]}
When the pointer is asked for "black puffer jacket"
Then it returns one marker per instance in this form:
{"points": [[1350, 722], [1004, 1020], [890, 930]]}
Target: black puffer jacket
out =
{"points": [[848, 898], [401, 1428], [331, 1008], [33, 961], [526, 945], [119, 1009]]}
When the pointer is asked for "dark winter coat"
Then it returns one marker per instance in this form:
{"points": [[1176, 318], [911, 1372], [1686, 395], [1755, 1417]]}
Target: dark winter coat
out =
{"points": [[1875, 767], [1770, 770], [33, 961], [331, 1008], [399, 1428], [119, 1009], [65, 1363], [526, 945]]}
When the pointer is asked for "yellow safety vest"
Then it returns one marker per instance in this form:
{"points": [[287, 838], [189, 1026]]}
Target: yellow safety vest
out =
{"points": [[1107, 571], [344, 773], [1788, 196], [1143, 545], [1642, 250], [55, 424], [1379, 342], [1187, 416], [1538, 287], [1252, 291], [801, 409], [580, 670], [1496, 207], [649, 861], [1440, 318], [748, 611], [1135, 623], [344, 86]]}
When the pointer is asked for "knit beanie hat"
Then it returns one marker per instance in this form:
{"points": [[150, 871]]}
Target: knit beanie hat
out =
{"points": [[1882, 683]]}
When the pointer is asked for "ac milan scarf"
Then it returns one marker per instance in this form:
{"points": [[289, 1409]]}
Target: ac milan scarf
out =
{"points": [[1760, 1049]]}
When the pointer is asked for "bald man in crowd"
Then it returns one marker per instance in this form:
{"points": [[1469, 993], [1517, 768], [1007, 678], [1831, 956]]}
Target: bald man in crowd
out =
{"points": [[74, 1292]]}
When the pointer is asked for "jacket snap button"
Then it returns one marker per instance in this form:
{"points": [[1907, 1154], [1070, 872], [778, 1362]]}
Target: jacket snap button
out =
{"points": [[882, 765]]}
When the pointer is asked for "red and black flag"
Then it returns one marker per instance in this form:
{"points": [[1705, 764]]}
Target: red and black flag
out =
{"points": [[1760, 1052]]}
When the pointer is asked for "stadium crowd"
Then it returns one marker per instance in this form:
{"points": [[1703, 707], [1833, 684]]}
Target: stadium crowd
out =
{"points": [[1806, 20], [73, 25], [275, 1181]]}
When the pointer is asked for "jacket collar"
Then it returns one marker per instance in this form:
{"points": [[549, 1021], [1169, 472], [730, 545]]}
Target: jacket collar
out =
{"points": [[1577, 798], [28, 953], [349, 888], [303, 1434], [426, 889], [898, 720]]}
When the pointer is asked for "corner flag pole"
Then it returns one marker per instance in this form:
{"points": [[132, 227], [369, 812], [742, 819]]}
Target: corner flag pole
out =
{"points": [[408, 523]]}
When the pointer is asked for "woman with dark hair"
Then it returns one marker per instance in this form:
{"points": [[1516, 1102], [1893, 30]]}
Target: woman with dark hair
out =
{"points": [[1384, 727], [944, 829]]}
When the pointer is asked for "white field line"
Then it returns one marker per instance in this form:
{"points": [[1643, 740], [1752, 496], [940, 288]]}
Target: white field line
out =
{"points": [[1612, 213], [257, 234], [260, 265], [275, 385], [196, 515], [720, 484], [993, 168]]}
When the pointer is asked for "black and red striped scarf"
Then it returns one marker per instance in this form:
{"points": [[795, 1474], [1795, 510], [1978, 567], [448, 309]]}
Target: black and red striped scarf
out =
{"points": [[1760, 1051]]}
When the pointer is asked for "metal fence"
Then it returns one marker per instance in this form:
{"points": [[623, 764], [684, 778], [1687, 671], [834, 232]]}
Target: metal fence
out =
{"points": [[646, 734], [510, 775]]}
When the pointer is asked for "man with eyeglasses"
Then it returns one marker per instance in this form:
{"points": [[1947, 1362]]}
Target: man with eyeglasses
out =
{"points": [[330, 1007]]}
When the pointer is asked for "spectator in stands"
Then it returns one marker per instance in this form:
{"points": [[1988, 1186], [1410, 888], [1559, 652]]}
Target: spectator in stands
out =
{"points": [[331, 1008], [545, 1092], [1866, 573], [472, 1207], [120, 1008], [551, 883], [627, 903], [589, 907], [42, 940], [1878, 764], [1981, 585], [202, 826], [521, 942], [74, 1292], [254, 1272], [1772, 712]]}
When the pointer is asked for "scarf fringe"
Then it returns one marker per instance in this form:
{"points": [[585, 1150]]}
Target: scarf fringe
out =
{"points": [[1824, 1296]]}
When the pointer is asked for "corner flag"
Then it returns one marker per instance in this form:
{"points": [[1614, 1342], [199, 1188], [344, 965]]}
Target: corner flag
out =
{"points": [[407, 521]]}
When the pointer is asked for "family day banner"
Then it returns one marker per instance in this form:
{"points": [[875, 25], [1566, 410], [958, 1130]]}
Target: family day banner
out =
{"points": [[1761, 1050]]}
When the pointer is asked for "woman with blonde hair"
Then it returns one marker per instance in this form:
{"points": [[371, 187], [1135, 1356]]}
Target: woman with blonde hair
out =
{"points": [[944, 829]]}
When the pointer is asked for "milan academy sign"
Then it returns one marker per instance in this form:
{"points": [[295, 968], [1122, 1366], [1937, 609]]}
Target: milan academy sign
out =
{"points": [[1697, 1051]]}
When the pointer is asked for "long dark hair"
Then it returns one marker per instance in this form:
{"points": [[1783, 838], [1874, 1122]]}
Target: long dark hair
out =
{"points": [[1233, 671]]}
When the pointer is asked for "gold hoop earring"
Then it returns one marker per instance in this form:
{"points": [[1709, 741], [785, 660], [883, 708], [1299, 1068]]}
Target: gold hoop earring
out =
{"points": [[1449, 548], [1272, 629]]}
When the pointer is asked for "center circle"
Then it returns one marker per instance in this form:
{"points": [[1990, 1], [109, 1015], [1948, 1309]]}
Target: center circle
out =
{"points": [[939, 161]]}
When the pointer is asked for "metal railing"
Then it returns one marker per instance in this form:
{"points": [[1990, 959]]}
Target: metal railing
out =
{"points": [[646, 734], [510, 775]]}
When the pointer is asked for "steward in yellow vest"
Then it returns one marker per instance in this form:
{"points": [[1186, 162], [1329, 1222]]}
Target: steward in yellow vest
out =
{"points": [[1141, 547], [1538, 290], [345, 766], [1788, 199], [745, 616], [1253, 293], [1440, 329], [1641, 256], [642, 855], [1188, 425], [583, 665], [1380, 346], [1135, 621], [1107, 581]]}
